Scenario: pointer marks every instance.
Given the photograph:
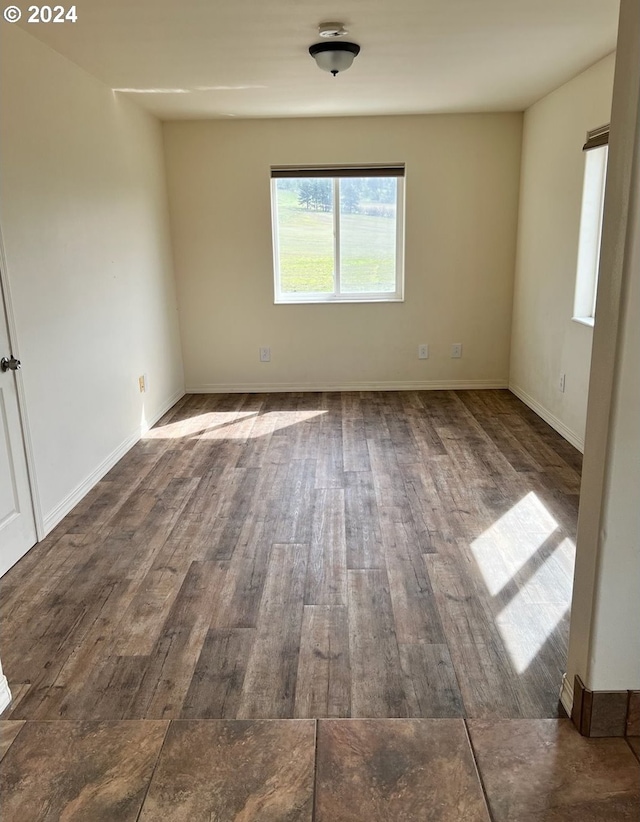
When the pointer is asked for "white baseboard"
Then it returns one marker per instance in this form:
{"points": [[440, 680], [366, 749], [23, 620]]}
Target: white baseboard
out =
{"points": [[58, 513], [51, 519], [267, 388], [166, 405], [5, 694], [547, 416], [566, 694]]}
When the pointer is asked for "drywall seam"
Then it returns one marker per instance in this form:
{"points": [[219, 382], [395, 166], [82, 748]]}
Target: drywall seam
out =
{"points": [[548, 417], [51, 519]]}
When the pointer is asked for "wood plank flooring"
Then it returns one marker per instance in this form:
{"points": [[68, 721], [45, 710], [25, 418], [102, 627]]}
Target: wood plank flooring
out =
{"points": [[364, 554]]}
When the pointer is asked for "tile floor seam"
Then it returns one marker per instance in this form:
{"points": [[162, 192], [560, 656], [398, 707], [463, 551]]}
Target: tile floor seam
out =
{"points": [[478, 771], [153, 772]]}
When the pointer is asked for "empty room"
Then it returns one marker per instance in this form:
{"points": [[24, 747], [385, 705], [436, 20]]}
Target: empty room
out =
{"points": [[320, 442]]}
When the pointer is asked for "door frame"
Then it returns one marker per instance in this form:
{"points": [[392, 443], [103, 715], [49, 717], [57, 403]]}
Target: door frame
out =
{"points": [[5, 294]]}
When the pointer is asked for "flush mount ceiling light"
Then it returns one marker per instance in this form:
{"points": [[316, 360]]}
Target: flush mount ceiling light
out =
{"points": [[333, 57]]}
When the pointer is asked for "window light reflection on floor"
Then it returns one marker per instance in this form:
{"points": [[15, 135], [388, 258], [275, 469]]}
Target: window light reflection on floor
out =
{"points": [[511, 541], [538, 602], [231, 425], [525, 627]]}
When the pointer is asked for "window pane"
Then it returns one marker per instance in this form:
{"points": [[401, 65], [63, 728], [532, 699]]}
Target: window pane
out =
{"points": [[368, 234], [305, 235], [590, 232]]}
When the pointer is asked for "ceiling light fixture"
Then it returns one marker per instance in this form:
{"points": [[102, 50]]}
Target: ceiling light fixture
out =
{"points": [[333, 57]]}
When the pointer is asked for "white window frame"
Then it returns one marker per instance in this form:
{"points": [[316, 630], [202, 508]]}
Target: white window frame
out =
{"points": [[338, 296], [595, 173]]}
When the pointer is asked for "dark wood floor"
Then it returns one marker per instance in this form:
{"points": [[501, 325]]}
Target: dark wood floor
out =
{"points": [[307, 555]]}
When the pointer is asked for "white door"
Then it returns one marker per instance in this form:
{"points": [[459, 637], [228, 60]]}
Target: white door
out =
{"points": [[17, 526]]}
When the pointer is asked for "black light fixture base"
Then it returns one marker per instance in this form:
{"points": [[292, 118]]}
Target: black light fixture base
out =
{"points": [[318, 48]]}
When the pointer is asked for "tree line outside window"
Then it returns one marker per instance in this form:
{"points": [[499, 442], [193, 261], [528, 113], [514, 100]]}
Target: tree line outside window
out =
{"points": [[372, 196]]}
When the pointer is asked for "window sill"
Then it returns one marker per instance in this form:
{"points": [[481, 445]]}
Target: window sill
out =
{"points": [[589, 321], [341, 301]]}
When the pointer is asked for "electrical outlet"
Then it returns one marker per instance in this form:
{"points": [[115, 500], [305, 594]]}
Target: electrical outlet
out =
{"points": [[561, 382], [142, 383], [456, 351], [423, 352], [265, 354]]}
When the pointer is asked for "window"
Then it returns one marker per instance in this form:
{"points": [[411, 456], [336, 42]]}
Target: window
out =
{"points": [[338, 233], [595, 172]]}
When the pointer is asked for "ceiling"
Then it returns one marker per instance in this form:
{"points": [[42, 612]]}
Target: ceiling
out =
{"points": [[248, 58]]}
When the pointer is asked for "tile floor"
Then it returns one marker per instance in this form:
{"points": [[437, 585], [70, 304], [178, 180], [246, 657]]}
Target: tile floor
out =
{"points": [[381, 770]]}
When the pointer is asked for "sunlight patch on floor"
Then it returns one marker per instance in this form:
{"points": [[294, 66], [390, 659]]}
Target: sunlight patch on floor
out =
{"points": [[526, 626], [231, 425], [507, 550], [511, 541], [198, 424]]}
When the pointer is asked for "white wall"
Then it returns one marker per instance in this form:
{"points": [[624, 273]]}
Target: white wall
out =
{"points": [[85, 224], [545, 340], [604, 643], [462, 176]]}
